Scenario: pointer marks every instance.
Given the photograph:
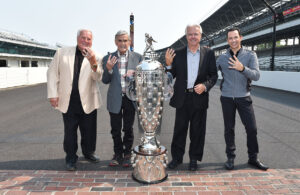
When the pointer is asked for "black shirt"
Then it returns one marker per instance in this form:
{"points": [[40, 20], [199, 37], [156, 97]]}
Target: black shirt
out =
{"points": [[75, 103], [237, 53], [232, 54]]}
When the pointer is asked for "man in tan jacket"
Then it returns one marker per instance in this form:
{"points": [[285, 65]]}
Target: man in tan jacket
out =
{"points": [[73, 77]]}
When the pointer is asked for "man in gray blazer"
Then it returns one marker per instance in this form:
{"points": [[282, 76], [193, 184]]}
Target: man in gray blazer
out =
{"points": [[117, 66]]}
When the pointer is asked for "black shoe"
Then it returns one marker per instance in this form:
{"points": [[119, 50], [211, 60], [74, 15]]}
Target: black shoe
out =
{"points": [[92, 158], [70, 166], [127, 160], [116, 161], [173, 164], [229, 164], [193, 165], [256, 163]]}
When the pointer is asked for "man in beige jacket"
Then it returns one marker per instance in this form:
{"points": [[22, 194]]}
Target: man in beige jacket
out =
{"points": [[73, 77]]}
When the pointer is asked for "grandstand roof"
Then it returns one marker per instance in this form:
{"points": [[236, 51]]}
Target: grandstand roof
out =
{"points": [[22, 39], [234, 11]]}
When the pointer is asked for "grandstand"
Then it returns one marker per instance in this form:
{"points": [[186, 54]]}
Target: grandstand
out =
{"points": [[23, 60], [255, 21], [18, 50]]}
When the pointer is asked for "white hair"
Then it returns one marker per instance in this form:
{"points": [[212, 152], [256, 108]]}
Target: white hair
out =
{"points": [[122, 32], [193, 25], [81, 30]]}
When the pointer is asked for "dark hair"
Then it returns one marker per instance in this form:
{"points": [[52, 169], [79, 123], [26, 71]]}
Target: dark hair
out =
{"points": [[233, 29]]}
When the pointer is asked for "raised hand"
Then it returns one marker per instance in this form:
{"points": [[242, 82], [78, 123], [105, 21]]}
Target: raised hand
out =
{"points": [[235, 64], [170, 54], [90, 55], [111, 61]]}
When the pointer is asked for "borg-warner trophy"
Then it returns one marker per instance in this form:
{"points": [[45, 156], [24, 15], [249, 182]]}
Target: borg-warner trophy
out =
{"points": [[151, 87]]}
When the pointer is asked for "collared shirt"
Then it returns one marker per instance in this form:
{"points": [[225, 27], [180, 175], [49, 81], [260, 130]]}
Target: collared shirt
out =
{"points": [[193, 60], [122, 64]]}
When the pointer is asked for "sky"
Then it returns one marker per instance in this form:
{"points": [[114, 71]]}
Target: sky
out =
{"points": [[57, 21]]}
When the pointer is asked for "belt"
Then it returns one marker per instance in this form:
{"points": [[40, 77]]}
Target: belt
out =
{"points": [[190, 90]]}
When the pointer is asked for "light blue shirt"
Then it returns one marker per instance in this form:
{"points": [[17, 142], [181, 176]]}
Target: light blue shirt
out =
{"points": [[193, 60]]}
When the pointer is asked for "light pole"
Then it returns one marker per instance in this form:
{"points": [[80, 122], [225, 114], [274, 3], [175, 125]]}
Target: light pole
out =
{"points": [[273, 35]]}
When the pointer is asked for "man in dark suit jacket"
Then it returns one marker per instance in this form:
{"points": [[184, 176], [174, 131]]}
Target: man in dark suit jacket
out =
{"points": [[117, 66], [194, 68]]}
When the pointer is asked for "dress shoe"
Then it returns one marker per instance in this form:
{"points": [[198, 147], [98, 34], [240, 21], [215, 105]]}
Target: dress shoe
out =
{"points": [[193, 165], [173, 164], [127, 160], [116, 160], [92, 158], [256, 163], [71, 166], [229, 164]]}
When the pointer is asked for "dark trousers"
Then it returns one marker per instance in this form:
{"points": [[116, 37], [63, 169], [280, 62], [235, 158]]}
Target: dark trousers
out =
{"points": [[186, 115], [127, 114], [87, 125], [245, 109]]}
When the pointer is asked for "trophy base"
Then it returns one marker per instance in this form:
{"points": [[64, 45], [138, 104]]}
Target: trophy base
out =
{"points": [[149, 168]]}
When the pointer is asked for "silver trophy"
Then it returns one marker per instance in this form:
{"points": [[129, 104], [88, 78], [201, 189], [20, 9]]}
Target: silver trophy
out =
{"points": [[151, 87]]}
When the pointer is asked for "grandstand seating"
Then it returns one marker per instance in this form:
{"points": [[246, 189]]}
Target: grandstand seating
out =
{"points": [[19, 44], [250, 16], [19, 37]]}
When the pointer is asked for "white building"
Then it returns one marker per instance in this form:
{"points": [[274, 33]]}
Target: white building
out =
{"points": [[23, 60]]}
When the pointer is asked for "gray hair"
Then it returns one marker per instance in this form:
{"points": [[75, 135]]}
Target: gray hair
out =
{"points": [[81, 30], [122, 32], [193, 25]]}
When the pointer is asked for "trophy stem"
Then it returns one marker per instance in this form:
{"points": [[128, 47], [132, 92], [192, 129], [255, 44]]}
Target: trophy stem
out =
{"points": [[150, 145]]}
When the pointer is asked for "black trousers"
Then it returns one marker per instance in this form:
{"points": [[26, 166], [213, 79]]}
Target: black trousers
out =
{"points": [[87, 123], [127, 114], [186, 115], [245, 109]]}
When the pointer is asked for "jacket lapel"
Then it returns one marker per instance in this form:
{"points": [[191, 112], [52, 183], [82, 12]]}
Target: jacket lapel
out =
{"points": [[202, 55], [71, 59], [116, 66], [185, 64], [130, 61], [85, 62]]}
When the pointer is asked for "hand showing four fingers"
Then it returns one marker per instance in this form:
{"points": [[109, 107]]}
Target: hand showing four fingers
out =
{"points": [[170, 54], [111, 61]]}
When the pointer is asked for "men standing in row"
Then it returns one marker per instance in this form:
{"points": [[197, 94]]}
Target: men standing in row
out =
{"points": [[194, 68], [239, 67], [117, 66], [72, 89]]}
